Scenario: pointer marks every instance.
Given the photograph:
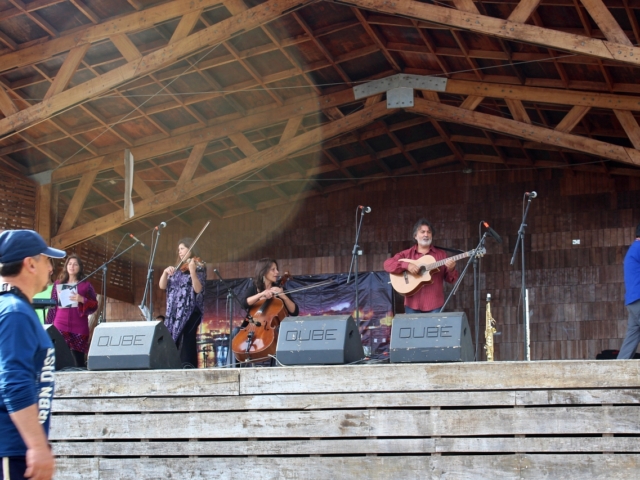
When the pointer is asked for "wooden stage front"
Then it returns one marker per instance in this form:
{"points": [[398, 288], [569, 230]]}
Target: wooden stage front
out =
{"points": [[502, 420]]}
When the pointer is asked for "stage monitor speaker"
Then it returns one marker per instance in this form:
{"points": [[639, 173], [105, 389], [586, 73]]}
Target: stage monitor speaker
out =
{"points": [[64, 357], [132, 346], [431, 337], [323, 340]]}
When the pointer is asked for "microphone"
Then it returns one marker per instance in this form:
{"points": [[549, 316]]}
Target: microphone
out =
{"points": [[134, 237], [364, 209], [162, 225], [531, 194], [492, 232]]}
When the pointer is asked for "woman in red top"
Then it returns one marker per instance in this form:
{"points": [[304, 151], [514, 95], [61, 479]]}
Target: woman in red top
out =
{"points": [[73, 322]]}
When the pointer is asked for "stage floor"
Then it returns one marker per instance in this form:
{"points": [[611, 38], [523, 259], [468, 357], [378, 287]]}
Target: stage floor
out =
{"points": [[547, 419]]}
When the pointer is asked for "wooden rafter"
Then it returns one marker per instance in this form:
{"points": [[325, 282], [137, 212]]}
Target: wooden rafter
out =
{"points": [[215, 132], [608, 25], [67, 70], [127, 24], [219, 177], [77, 202], [506, 29], [630, 125], [149, 63], [525, 131]]}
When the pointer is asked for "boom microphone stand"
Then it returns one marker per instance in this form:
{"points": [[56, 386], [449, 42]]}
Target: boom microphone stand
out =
{"points": [[147, 313], [524, 295], [355, 253], [479, 250], [231, 297], [104, 268]]}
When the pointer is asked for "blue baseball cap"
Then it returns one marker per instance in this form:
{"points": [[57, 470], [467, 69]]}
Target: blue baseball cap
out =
{"points": [[16, 245]]}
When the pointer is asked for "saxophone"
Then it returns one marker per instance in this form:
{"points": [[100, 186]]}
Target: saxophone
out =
{"points": [[489, 331]]}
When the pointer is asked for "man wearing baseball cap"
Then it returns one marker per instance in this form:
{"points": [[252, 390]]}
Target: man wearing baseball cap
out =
{"points": [[27, 357]]}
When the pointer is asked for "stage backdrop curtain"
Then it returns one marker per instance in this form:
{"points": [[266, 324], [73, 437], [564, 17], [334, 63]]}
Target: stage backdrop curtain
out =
{"points": [[337, 298]]}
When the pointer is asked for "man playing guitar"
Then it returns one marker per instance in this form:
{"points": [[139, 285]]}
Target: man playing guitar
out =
{"points": [[430, 297]]}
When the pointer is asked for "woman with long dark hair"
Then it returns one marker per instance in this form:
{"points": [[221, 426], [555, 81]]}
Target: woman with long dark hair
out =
{"points": [[185, 300], [73, 321], [265, 286]]}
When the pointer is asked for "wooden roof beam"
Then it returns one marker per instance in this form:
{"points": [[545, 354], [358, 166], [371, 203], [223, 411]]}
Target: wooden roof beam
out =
{"points": [[630, 125], [543, 135], [509, 30], [523, 10], [554, 96], [219, 32], [68, 68], [79, 197], [221, 176], [214, 132], [603, 18], [130, 23]]}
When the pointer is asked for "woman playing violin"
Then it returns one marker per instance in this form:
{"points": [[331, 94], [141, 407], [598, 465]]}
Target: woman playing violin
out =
{"points": [[185, 300], [265, 286]]}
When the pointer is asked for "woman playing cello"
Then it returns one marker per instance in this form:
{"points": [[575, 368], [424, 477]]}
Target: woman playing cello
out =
{"points": [[185, 300], [266, 305], [265, 287]]}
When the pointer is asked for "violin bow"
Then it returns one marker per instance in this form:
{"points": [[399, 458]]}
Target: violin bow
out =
{"points": [[308, 287], [193, 244]]}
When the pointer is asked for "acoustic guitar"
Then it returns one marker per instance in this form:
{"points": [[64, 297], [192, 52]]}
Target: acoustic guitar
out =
{"points": [[407, 284]]}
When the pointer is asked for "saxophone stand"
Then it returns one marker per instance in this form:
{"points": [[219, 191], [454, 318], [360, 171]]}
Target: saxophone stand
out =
{"points": [[479, 250], [104, 268], [355, 253], [147, 312], [524, 295]]}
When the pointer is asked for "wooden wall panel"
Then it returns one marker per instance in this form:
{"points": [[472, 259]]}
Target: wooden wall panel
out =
{"points": [[17, 201], [576, 291]]}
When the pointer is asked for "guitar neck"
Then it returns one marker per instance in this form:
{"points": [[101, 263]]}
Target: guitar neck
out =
{"points": [[432, 266]]}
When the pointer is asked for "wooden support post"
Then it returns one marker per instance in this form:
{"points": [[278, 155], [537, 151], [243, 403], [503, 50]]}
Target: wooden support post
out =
{"points": [[43, 211]]}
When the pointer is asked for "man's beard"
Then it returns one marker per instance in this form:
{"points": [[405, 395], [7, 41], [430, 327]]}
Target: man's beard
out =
{"points": [[425, 242]]}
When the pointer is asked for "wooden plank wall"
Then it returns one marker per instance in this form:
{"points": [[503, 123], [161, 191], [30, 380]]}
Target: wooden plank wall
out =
{"points": [[17, 201], [576, 291], [508, 420]]}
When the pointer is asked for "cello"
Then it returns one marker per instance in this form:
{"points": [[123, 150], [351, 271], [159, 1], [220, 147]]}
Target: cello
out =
{"points": [[259, 338]]}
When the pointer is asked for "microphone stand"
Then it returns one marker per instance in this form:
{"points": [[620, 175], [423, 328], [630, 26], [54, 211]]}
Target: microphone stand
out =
{"points": [[231, 297], [148, 289], [103, 267], [354, 260], [472, 259], [524, 295]]}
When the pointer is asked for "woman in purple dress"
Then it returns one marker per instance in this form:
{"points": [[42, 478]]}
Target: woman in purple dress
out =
{"points": [[73, 321], [185, 301]]}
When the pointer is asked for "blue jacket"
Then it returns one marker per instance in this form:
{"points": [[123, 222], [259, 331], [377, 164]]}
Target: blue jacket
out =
{"points": [[27, 364], [632, 273]]}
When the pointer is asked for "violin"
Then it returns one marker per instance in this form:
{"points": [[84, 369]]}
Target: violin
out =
{"points": [[259, 338], [184, 267]]}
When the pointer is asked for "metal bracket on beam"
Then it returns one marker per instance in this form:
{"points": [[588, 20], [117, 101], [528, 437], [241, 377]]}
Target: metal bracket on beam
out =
{"points": [[400, 97], [399, 88]]}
